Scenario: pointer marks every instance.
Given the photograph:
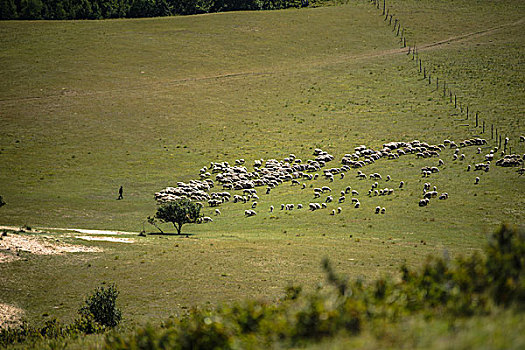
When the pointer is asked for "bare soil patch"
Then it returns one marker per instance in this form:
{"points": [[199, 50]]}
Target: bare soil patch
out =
{"points": [[13, 243], [10, 316]]}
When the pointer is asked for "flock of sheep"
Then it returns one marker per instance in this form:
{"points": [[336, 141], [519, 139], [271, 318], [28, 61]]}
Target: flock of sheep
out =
{"points": [[271, 173]]}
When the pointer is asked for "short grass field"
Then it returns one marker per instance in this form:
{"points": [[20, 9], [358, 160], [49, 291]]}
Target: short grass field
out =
{"points": [[87, 106]]}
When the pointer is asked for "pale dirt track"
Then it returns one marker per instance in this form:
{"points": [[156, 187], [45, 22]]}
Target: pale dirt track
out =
{"points": [[466, 37]]}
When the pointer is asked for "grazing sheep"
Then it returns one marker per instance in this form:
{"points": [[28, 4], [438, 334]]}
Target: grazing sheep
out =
{"points": [[323, 205], [282, 206], [476, 181], [443, 196], [342, 176], [348, 189], [339, 210], [295, 182], [462, 157], [254, 205], [206, 219], [355, 193], [299, 206], [424, 202], [271, 208], [312, 206], [249, 213], [326, 189], [469, 167], [478, 150], [329, 199], [388, 178], [268, 190], [401, 184], [332, 212], [304, 186], [378, 209], [217, 212], [383, 210], [357, 204], [355, 200], [376, 193], [342, 199], [440, 162]]}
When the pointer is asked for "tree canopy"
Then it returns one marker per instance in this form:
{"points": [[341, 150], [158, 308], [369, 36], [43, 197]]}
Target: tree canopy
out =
{"points": [[100, 9], [179, 212]]}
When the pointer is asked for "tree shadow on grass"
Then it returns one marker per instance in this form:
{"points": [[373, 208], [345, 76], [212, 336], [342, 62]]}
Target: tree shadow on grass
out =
{"points": [[175, 234]]}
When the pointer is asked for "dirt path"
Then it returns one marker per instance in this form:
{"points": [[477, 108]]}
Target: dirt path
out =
{"points": [[307, 65], [10, 316]]}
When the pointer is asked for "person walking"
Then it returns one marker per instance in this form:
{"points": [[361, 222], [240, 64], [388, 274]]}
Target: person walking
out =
{"points": [[120, 192]]}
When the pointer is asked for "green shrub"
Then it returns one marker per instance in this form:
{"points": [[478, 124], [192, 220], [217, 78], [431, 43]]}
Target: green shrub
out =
{"points": [[101, 308]]}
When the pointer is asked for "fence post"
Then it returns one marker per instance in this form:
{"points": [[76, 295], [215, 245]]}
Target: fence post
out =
{"points": [[483, 127], [444, 89], [476, 119], [384, 6], [405, 43], [429, 81], [395, 24], [455, 101], [437, 83], [467, 112], [492, 131], [424, 72]]}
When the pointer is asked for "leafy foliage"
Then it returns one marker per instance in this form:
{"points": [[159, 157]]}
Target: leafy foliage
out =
{"points": [[179, 212], [2, 203], [99, 9], [101, 307]]}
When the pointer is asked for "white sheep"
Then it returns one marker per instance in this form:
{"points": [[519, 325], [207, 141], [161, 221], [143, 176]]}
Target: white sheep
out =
{"points": [[383, 210], [339, 210], [254, 205], [271, 208], [342, 199], [357, 204], [476, 181], [378, 209], [440, 162], [217, 212], [206, 219], [326, 189], [249, 213], [299, 206], [401, 184], [355, 193], [329, 199], [388, 178], [332, 212]]}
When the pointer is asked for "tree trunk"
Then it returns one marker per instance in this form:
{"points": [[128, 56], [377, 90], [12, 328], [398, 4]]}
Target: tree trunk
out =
{"points": [[179, 228]]}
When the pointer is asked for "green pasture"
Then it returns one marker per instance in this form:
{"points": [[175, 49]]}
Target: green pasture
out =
{"points": [[87, 106]]}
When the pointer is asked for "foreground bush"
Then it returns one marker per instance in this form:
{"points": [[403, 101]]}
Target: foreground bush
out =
{"points": [[97, 315], [462, 288], [441, 289]]}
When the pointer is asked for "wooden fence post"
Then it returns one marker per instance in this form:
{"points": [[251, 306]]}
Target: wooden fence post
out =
{"points": [[384, 6], [467, 112], [492, 131], [483, 127], [477, 119], [455, 101]]}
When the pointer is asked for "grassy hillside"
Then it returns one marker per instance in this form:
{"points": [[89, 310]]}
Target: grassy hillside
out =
{"points": [[88, 106]]}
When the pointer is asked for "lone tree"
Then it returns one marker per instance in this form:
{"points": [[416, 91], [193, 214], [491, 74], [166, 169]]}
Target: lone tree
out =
{"points": [[180, 212]]}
